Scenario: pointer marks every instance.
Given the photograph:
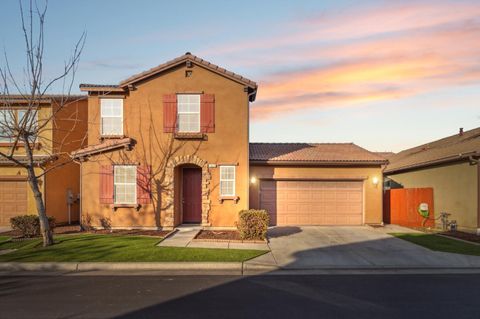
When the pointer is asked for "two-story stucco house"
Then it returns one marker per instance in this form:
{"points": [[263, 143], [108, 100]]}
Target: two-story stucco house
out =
{"points": [[64, 129], [168, 146]]}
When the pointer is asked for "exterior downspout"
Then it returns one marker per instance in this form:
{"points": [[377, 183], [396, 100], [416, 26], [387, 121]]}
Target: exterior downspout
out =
{"points": [[383, 167], [81, 194], [478, 198], [248, 146]]}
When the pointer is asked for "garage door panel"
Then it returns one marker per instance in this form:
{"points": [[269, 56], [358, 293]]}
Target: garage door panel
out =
{"points": [[313, 202], [13, 200]]}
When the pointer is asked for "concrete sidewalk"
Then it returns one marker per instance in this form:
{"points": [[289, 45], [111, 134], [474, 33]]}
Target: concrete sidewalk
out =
{"points": [[185, 235]]}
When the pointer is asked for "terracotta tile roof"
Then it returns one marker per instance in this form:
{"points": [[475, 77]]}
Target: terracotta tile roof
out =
{"points": [[194, 59], [100, 87], [385, 155], [45, 99], [452, 148], [38, 159], [321, 153], [106, 145]]}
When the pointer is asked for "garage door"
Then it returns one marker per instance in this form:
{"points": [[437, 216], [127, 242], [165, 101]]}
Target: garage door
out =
{"points": [[313, 202], [13, 200]]}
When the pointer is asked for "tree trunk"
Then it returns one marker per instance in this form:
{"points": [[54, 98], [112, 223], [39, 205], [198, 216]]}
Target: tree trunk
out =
{"points": [[42, 214]]}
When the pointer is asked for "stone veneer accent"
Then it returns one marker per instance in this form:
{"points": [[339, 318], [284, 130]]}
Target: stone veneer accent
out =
{"points": [[169, 188]]}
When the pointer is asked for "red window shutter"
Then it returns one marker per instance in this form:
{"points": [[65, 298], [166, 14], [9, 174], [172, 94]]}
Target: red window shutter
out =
{"points": [[106, 184], [169, 113], [207, 113], [144, 175]]}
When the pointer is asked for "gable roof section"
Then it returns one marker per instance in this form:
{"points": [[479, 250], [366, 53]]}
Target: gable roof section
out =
{"points": [[105, 146], [312, 153], [453, 148], [187, 57]]}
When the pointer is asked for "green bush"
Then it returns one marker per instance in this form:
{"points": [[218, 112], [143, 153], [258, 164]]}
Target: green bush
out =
{"points": [[253, 224], [29, 225]]}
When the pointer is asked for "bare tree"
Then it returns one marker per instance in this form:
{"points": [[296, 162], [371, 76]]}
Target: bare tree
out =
{"points": [[25, 127]]}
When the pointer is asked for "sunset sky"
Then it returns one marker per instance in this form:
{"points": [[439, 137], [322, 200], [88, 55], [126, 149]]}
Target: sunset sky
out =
{"points": [[386, 75]]}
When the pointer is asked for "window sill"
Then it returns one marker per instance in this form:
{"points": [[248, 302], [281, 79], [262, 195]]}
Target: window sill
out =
{"points": [[190, 136], [224, 198], [116, 206], [104, 137], [36, 146]]}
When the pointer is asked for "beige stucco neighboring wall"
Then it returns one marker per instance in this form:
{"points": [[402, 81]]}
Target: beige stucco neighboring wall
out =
{"points": [[372, 193], [455, 190]]}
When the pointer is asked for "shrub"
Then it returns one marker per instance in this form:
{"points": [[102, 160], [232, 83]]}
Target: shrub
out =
{"points": [[29, 225], [253, 224]]}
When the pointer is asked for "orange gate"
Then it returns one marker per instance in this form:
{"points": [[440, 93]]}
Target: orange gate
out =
{"points": [[400, 206]]}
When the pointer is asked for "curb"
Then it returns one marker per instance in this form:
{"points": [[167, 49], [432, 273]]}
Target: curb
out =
{"points": [[215, 268]]}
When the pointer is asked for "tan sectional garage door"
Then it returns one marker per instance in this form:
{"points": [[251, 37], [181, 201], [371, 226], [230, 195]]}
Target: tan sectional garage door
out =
{"points": [[313, 202], [13, 200]]}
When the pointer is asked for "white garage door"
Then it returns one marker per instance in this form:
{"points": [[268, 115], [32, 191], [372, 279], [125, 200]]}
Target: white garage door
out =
{"points": [[312, 202]]}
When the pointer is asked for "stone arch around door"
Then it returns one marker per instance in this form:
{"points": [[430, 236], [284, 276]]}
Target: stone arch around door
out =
{"points": [[170, 187]]}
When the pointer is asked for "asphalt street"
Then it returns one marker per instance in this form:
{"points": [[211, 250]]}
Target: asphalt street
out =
{"points": [[267, 296]]}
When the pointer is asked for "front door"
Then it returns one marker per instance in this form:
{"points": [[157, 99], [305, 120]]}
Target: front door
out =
{"points": [[192, 195]]}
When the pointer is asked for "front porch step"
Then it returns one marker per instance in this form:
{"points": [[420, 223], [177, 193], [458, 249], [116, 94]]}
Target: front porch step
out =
{"points": [[182, 237]]}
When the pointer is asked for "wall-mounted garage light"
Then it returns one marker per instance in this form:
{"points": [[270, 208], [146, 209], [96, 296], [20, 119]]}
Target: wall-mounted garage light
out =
{"points": [[253, 180], [375, 180]]}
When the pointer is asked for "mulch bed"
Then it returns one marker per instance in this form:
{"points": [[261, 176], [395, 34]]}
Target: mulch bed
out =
{"points": [[462, 235], [222, 235]]}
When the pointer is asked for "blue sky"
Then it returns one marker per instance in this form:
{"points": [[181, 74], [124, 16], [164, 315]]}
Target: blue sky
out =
{"points": [[386, 75]]}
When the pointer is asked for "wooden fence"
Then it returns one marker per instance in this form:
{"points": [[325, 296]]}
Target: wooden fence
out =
{"points": [[400, 206]]}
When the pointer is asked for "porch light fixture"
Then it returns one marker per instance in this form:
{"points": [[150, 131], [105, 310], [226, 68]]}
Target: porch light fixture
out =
{"points": [[375, 180], [253, 180]]}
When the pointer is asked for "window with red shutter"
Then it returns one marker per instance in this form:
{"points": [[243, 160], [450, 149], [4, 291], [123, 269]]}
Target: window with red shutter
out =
{"points": [[144, 191], [207, 113], [169, 113], [106, 184]]}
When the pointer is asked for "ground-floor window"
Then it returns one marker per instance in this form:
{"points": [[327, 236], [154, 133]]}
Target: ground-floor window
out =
{"points": [[125, 182], [227, 180]]}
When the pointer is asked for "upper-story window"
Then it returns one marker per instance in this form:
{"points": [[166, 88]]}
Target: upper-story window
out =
{"points": [[12, 120], [111, 117], [188, 116]]}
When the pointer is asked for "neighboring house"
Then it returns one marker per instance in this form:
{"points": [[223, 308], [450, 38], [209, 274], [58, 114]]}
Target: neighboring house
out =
{"points": [[65, 133], [451, 167], [316, 184], [171, 146]]}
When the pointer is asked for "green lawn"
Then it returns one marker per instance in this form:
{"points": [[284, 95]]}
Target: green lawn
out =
{"points": [[440, 243], [4, 238], [107, 248]]}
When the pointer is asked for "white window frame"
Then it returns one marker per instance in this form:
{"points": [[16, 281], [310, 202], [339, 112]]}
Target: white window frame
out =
{"points": [[115, 183], [103, 115], [179, 98], [16, 121], [222, 167]]}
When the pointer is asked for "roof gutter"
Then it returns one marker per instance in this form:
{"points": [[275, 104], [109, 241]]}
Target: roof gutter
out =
{"points": [[318, 163], [472, 157]]}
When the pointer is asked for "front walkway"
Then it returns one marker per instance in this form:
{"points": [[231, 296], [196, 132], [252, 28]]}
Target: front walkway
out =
{"points": [[357, 247], [184, 235]]}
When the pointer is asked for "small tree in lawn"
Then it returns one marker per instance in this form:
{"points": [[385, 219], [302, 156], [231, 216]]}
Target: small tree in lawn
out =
{"points": [[26, 128]]}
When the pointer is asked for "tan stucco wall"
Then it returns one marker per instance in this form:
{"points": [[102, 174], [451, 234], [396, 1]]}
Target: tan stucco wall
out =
{"points": [[455, 190], [16, 171], [143, 121], [372, 193]]}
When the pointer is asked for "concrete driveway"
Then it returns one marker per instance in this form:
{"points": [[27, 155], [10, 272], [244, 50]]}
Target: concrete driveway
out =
{"points": [[313, 247]]}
